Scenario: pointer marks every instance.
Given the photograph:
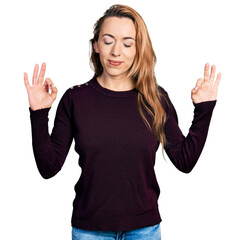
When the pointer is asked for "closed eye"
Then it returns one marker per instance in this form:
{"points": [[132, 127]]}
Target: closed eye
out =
{"points": [[107, 43], [126, 45]]}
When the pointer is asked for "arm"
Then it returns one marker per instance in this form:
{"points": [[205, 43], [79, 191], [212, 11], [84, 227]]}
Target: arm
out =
{"points": [[50, 151], [185, 151]]}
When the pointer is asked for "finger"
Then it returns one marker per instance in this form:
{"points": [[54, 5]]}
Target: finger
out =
{"points": [[42, 73], [193, 91], [54, 91], [50, 85], [206, 72], [26, 81], [199, 83], [212, 74], [34, 78], [47, 83], [217, 82]]}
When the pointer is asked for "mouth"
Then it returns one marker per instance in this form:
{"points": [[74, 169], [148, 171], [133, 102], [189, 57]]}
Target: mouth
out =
{"points": [[115, 63]]}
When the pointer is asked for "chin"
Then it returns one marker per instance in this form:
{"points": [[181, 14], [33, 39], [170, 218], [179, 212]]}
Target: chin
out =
{"points": [[116, 72]]}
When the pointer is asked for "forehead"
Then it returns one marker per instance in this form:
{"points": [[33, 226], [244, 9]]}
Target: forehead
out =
{"points": [[118, 27]]}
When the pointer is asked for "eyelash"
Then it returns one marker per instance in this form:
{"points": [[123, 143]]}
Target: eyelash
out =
{"points": [[108, 43]]}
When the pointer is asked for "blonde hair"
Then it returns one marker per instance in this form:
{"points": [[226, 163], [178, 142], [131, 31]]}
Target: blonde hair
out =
{"points": [[141, 71]]}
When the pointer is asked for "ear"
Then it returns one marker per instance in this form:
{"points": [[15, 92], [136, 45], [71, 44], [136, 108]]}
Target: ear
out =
{"points": [[96, 47]]}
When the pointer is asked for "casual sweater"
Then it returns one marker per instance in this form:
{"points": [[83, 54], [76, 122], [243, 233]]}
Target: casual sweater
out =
{"points": [[117, 189]]}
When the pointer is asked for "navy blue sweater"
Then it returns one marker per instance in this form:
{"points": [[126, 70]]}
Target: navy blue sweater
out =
{"points": [[117, 189]]}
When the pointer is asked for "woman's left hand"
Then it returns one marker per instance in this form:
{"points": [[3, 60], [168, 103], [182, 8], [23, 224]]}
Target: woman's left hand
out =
{"points": [[206, 89]]}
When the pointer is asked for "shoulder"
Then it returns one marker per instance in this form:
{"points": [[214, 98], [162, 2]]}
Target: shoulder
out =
{"points": [[79, 86], [165, 101], [76, 89], [163, 95]]}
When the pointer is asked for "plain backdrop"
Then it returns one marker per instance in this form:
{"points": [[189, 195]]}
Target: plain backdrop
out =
{"points": [[207, 203]]}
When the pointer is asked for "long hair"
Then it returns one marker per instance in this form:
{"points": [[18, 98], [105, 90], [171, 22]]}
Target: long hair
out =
{"points": [[141, 71]]}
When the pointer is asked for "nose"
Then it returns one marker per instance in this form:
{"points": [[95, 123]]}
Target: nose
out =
{"points": [[116, 49]]}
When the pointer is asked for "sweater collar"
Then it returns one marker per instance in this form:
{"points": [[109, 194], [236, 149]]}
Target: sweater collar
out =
{"points": [[94, 82]]}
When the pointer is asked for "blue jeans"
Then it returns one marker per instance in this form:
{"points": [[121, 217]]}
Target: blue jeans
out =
{"points": [[146, 233]]}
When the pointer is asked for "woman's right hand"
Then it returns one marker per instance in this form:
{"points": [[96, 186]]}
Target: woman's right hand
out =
{"points": [[38, 94]]}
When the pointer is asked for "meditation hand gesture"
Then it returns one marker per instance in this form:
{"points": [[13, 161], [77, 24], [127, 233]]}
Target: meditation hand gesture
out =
{"points": [[38, 94], [206, 89]]}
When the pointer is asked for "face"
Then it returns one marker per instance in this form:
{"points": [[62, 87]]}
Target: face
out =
{"points": [[116, 46]]}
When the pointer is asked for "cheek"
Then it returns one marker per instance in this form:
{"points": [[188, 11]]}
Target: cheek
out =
{"points": [[131, 54], [103, 53], [102, 57]]}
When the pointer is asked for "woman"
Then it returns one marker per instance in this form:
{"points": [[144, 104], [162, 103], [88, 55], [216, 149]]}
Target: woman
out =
{"points": [[117, 119]]}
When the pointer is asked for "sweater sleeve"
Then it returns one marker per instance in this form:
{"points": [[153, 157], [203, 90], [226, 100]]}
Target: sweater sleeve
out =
{"points": [[185, 151], [50, 151]]}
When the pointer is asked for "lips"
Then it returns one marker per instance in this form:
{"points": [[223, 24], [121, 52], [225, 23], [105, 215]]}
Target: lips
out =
{"points": [[115, 63]]}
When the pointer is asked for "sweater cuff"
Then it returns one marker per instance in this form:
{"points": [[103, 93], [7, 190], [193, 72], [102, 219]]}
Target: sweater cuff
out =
{"points": [[207, 106], [39, 113]]}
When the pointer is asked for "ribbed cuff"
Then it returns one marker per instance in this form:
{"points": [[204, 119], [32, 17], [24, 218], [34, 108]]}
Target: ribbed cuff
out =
{"points": [[39, 116], [39, 111], [205, 106]]}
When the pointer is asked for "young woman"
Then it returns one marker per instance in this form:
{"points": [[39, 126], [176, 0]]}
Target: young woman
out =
{"points": [[117, 119]]}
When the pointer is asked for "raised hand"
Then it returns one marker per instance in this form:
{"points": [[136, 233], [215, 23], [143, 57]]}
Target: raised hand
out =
{"points": [[38, 94], [206, 89]]}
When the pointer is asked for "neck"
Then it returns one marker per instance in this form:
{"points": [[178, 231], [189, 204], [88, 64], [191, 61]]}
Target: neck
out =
{"points": [[116, 83]]}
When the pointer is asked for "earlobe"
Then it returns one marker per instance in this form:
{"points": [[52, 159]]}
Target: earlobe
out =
{"points": [[96, 47]]}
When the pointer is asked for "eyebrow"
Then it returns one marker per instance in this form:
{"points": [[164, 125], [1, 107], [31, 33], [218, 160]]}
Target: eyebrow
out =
{"points": [[106, 34]]}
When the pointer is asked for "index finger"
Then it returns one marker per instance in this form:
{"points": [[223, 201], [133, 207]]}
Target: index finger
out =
{"points": [[42, 72]]}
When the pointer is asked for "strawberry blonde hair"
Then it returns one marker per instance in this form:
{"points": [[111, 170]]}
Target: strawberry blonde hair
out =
{"points": [[141, 71]]}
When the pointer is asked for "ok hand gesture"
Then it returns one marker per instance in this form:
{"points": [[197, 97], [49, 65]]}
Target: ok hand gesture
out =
{"points": [[206, 89], [38, 94]]}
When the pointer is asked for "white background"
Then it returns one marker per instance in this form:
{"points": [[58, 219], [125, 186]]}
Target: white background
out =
{"points": [[207, 203]]}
